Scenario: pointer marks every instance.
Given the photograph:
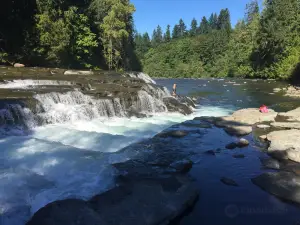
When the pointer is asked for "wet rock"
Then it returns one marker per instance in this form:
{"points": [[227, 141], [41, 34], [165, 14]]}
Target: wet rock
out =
{"points": [[262, 126], [151, 201], [286, 125], [293, 115], [173, 133], [285, 144], [210, 152], [174, 105], [231, 145], [228, 181], [78, 72], [66, 212], [183, 166], [240, 122], [285, 185], [19, 65], [263, 137], [238, 156], [270, 163], [207, 119], [242, 143], [197, 125], [293, 91]]}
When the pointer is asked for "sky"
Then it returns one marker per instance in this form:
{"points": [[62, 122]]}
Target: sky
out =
{"points": [[150, 13]]}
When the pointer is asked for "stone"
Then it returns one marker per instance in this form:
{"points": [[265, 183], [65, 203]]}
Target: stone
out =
{"points": [[277, 89], [293, 115], [149, 202], [285, 144], [263, 137], [240, 122], [293, 91], [19, 65], [173, 133], [231, 145], [242, 143], [238, 156], [210, 152], [197, 125], [270, 163], [262, 126], [174, 105], [66, 212], [182, 166], [78, 72], [228, 181], [285, 185], [286, 125]]}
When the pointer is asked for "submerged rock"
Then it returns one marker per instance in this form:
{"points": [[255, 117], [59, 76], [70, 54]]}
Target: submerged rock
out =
{"points": [[182, 166], [231, 145], [66, 212], [149, 202], [210, 152], [173, 133], [242, 143], [228, 181], [239, 156], [285, 144], [285, 185]]}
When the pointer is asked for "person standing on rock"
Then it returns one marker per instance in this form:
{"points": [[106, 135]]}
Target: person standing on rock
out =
{"points": [[174, 90]]}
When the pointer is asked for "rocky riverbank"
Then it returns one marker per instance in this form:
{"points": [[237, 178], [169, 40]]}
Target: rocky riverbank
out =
{"points": [[155, 187]]}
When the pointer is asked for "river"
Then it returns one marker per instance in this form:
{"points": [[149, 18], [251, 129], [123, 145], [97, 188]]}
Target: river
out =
{"points": [[73, 159]]}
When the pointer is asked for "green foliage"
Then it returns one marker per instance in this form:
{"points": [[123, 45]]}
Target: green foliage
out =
{"points": [[263, 45], [167, 36], [194, 26], [65, 37]]}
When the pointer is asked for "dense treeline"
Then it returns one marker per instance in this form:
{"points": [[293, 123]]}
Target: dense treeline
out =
{"points": [[264, 45], [68, 33]]}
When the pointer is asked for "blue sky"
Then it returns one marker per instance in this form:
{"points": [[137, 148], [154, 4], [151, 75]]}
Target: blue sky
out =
{"points": [[150, 13]]}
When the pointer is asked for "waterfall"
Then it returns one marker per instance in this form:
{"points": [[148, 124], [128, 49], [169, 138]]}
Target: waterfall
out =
{"points": [[142, 76], [25, 84]]}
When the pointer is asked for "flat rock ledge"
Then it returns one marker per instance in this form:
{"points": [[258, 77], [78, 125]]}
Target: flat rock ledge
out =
{"points": [[285, 144], [240, 122], [149, 202], [285, 185]]}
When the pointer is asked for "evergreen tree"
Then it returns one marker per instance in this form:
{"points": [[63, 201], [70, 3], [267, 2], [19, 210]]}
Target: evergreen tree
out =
{"points": [[157, 36], [168, 34], [175, 32], [204, 26], [182, 28], [194, 26], [252, 11], [213, 21], [224, 21]]}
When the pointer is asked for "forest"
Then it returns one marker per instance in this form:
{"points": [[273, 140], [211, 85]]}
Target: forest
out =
{"points": [[100, 34]]}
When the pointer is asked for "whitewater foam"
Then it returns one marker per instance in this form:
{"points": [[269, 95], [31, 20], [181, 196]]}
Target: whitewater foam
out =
{"points": [[27, 83]]}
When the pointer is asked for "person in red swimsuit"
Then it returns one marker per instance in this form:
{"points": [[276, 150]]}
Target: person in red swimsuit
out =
{"points": [[263, 109]]}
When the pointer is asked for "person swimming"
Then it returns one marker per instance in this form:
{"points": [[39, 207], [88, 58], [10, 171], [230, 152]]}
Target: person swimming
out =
{"points": [[174, 90]]}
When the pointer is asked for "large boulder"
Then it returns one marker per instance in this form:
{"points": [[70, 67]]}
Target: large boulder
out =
{"points": [[285, 144], [66, 212], [293, 115], [19, 65], [174, 105], [240, 122], [285, 185]]}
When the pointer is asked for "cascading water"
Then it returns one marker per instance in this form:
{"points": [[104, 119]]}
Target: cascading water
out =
{"points": [[27, 84], [74, 138]]}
